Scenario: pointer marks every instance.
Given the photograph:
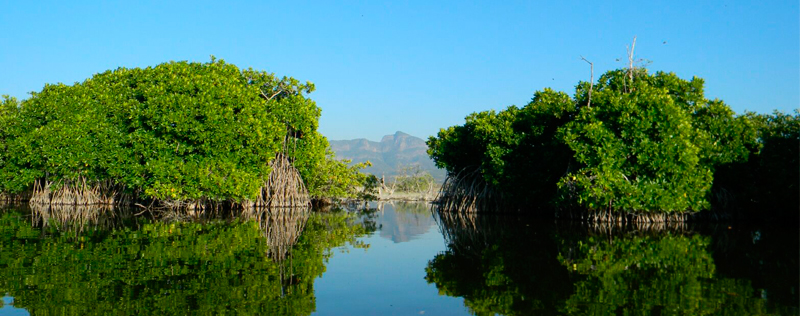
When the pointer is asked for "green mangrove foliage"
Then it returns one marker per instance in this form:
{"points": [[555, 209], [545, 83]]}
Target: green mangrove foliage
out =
{"points": [[646, 145], [336, 179], [509, 155], [765, 184], [178, 131], [162, 268]]}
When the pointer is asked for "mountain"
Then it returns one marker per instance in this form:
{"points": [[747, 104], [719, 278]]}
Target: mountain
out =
{"points": [[389, 155]]}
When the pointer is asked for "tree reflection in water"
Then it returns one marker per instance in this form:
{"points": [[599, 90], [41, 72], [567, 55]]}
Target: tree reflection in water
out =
{"points": [[498, 264], [509, 265], [104, 262]]}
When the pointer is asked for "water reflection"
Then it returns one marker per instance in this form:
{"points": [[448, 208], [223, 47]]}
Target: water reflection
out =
{"points": [[112, 261], [515, 266], [402, 221], [77, 218], [104, 262], [499, 264], [7, 307], [281, 227]]}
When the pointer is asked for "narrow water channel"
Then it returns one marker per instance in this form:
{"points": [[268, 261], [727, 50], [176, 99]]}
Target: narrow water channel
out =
{"points": [[388, 278]]}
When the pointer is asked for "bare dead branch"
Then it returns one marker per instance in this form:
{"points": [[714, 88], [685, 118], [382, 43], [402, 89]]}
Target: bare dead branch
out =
{"points": [[591, 80], [630, 60], [268, 98]]}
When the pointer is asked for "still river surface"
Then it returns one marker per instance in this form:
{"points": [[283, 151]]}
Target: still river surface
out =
{"points": [[394, 259]]}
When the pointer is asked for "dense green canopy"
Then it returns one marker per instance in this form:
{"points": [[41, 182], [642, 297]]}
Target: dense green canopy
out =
{"points": [[644, 143], [177, 131]]}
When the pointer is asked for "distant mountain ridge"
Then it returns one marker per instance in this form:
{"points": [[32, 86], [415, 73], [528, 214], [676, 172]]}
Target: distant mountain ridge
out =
{"points": [[389, 155]]}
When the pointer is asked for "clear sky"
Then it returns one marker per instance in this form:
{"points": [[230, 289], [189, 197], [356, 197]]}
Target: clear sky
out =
{"points": [[414, 66]]}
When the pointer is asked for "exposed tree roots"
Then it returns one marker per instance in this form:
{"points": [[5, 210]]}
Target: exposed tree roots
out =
{"points": [[640, 218], [607, 216], [192, 208], [467, 192], [610, 229], [78, 192], [284, 188]]}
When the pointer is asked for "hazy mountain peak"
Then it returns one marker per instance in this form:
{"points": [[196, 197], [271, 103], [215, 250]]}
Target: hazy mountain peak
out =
{"points": [[389, 155], [397, 135]]}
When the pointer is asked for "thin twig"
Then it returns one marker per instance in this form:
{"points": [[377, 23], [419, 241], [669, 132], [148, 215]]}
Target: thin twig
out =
{"points": [[591, 81]]}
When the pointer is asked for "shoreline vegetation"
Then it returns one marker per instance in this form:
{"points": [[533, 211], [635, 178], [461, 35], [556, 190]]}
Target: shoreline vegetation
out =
{"points": [[195, 136], [411, 184], [633, 147]]}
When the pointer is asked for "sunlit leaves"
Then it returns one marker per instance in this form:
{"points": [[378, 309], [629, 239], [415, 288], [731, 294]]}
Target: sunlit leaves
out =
{"points": [[651, 144], [639, 148], [176, 131]]}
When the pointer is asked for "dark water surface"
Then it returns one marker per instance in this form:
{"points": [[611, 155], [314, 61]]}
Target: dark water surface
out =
{"points": [[397, 259]]}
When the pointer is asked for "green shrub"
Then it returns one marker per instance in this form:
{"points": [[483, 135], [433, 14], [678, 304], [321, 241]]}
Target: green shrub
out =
{"points": [[334, 179], [765, 185], [504, 146], [638, 146], [177, 131], [646, 143]]}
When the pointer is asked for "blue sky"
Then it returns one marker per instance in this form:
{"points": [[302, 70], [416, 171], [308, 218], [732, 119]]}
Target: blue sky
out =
{"points": [[414, 66]]}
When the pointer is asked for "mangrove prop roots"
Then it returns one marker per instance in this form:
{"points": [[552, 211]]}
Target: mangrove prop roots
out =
{"points": [[78, 192], [467, 191], [284, 187], [610, 229], [177, 209], [637, 218]]}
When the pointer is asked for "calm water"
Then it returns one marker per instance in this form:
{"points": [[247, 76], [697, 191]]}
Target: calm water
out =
{"points": [[392, 260]]}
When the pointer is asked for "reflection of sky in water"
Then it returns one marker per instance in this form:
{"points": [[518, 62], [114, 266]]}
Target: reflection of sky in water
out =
{"points": [[9, 309], [403, 222], [388, 278]]}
